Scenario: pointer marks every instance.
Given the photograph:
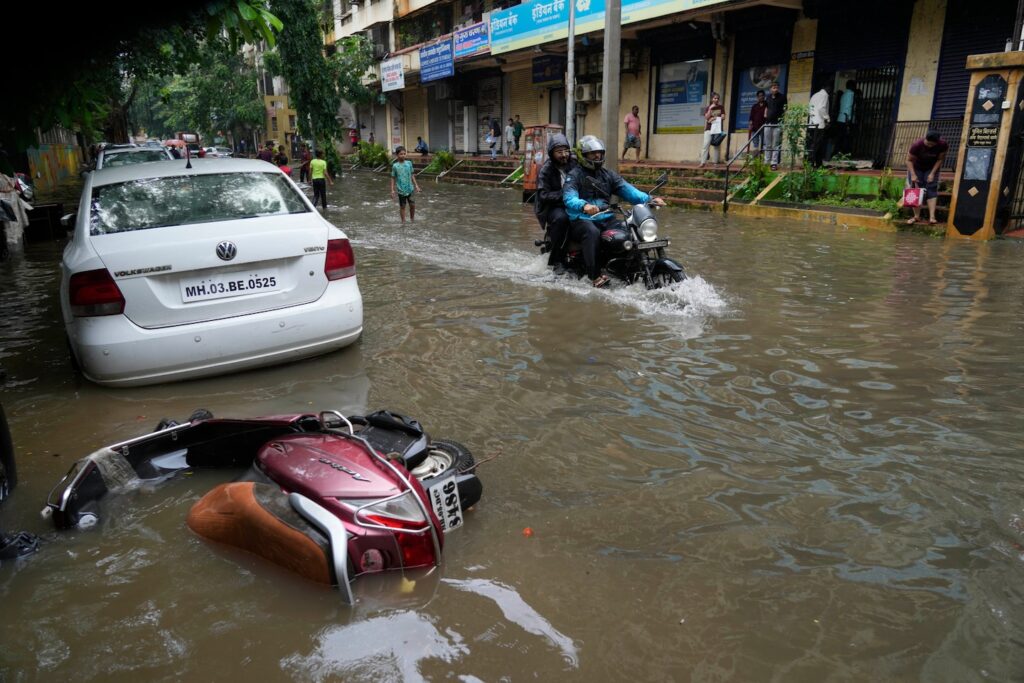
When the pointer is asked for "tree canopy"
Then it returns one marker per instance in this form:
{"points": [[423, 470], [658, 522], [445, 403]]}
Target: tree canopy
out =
{"points": [[96, 76], [317, 82]]}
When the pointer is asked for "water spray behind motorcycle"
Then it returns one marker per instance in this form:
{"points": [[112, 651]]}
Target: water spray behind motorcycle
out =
{"points": [[631, 251]]}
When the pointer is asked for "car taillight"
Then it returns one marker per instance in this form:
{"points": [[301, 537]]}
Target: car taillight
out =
{"points": [[94, 292], [341, 262]]}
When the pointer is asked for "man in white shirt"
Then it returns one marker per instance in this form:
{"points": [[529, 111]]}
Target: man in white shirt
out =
{"points": [[819, 120]]}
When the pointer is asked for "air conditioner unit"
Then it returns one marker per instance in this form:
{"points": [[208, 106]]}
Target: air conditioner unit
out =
{"points": [[598, 92], [379, 50], [585, 92]]}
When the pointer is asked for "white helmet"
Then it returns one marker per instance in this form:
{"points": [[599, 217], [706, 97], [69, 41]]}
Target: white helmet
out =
{"points": [[586, 145]]}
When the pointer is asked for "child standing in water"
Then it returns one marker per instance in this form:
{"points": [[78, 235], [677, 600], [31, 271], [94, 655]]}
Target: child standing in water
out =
{"points": [[405, 182]]}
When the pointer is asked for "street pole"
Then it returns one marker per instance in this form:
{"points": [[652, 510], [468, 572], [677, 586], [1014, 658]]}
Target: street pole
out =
{"points": [[570, 78], [610, 83]]}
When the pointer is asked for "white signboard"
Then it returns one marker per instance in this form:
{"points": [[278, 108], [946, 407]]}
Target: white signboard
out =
{"points": [[392, 77]]}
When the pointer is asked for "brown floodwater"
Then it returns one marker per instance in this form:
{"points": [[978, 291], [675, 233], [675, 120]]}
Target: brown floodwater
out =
{"points": [[801, 464]]}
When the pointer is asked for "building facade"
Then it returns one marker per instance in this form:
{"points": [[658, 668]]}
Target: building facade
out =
{"points": [[448, 67]]}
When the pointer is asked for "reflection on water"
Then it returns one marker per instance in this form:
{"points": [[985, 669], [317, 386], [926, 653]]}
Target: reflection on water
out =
{"points": [[800, 464]]}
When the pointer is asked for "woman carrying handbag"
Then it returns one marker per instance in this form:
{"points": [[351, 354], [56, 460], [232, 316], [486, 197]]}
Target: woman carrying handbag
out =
{"points": [[714, 118]]}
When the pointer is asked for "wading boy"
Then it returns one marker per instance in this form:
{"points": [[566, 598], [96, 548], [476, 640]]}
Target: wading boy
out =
{"points": [[404, 181], [320, 176]]}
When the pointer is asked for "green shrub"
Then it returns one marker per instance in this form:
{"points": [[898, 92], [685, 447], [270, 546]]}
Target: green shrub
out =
{"points": [[442, 160], [802, 186], [370, 154], [794, 132], [758, 176]]}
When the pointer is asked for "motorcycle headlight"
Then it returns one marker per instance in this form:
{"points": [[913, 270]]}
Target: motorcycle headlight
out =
{"points": [[649, 230]]}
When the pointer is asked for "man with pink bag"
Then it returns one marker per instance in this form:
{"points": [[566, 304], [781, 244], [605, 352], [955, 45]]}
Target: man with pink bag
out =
{"points": [[923, 164]]}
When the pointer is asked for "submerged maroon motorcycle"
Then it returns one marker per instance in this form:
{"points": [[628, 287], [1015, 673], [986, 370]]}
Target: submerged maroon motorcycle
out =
{"points": [[326, 496]]}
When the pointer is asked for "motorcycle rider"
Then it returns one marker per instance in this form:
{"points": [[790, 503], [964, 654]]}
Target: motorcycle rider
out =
{"points": [[586, 193], [548, 202]]}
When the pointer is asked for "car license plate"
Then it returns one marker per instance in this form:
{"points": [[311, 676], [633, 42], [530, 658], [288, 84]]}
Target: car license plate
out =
{"points": [[444, 498], [229, 284], [652, 245]]}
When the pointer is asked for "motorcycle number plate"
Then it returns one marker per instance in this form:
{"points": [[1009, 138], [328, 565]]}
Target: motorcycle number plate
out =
{"points": [[444, 498], [652, 245]]}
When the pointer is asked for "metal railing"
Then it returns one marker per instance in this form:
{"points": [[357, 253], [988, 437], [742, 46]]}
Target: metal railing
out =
{"points": [[728, 165], [905, 133]]}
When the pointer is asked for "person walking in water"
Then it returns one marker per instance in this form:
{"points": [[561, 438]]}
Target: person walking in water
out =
{"points": [[320, 176], [404, 184]]}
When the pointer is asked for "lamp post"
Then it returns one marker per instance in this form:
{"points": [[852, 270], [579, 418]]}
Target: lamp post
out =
{"points": [[570, 78]]}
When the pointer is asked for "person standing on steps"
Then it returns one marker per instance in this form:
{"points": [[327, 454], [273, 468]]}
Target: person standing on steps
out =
{"points": [[518, 131], [775, 107], [494, 137], [923, 164], [632, 123], [714, 124]]}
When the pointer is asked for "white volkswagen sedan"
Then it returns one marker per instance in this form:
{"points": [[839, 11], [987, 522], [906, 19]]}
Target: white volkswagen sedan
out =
{"points": [[176, 272]]}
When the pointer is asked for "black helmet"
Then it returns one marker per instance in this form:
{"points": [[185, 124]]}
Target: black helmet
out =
{"points": [[586, 145]]}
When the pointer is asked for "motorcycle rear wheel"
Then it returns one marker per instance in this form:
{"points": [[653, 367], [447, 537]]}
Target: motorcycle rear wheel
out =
{"points": [[443, 457]]}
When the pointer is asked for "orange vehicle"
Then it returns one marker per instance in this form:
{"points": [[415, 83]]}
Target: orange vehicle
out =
{"points": [[536, 153]]}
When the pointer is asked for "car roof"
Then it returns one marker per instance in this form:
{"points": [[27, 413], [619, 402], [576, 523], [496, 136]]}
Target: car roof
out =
{"points": [[176, 167]]}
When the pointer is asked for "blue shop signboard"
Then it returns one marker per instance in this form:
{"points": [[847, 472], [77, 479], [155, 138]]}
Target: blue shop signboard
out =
{"points": [[437, 61], [472, 40]]}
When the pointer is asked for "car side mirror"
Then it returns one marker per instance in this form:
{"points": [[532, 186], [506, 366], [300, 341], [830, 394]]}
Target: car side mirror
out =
{"points": [[68, 220]]}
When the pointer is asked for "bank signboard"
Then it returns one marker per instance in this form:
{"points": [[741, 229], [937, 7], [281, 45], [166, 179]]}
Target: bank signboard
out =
{"points": [[436, 61], [543, 21], [681, 97], [392, 76], [472, 41]]}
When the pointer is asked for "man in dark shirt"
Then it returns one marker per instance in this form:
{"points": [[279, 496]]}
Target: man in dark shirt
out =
{"points": [[548, 203], [267, 153], [757, 111], [775, 107], [923, 164]]}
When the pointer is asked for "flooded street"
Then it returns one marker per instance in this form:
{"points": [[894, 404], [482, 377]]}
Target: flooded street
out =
{"points": [[801, 464]]}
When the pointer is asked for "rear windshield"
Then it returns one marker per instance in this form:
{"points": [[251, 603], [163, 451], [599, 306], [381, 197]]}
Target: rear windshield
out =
{"points": [[112, 159], [181, 200]]}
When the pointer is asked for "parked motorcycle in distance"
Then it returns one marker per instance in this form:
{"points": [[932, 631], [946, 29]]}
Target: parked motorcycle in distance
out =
{"points": [[632, 252]]}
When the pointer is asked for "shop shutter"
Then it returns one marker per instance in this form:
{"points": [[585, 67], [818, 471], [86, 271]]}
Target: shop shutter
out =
{"points": [[522, 98], [414, 115], [488, 104], [971, 28], [861, 35]]}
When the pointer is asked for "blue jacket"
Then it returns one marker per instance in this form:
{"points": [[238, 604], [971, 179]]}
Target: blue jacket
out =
{"points": [[578, 192]]}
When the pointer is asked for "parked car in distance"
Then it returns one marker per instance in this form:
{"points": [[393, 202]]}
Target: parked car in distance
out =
{"points": [[175, 272], [123, 155], [218, 152]]}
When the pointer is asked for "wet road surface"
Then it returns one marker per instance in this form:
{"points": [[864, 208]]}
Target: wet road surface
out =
{"points": [[802, 464]]}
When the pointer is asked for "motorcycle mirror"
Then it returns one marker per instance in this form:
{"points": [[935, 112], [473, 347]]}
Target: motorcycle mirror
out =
{"points": [[68, 220], [662, 179]]}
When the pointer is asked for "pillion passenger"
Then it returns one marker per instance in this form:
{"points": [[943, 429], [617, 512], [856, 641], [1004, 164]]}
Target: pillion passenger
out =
{"points": [[548, 203]]}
